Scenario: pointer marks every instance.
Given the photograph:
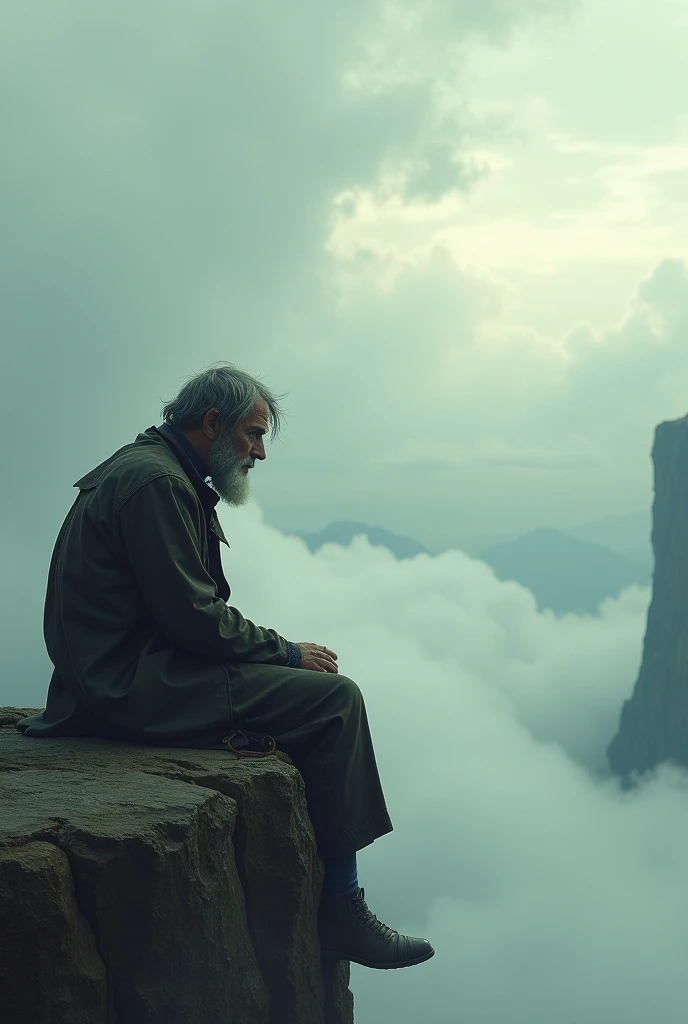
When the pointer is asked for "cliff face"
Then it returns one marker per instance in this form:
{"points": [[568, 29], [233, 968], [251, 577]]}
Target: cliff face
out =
{"points": [[654, 722], [150, 885]]}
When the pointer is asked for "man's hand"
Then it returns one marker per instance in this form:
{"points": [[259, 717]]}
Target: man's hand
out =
{"points": [[318, 659]]}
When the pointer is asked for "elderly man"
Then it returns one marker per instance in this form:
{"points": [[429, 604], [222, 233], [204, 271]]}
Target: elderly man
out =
{"points": [[145, 647]]}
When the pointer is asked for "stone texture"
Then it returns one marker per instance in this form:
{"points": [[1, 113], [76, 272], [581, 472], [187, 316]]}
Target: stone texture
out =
{"points": [[198, 874], [42, 926], [654, 722]]}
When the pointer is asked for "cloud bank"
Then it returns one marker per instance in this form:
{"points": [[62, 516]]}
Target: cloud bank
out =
{"points": [[550, 895]]}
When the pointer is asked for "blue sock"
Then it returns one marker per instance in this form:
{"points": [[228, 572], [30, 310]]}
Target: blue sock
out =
{"points": [[341, 876]]}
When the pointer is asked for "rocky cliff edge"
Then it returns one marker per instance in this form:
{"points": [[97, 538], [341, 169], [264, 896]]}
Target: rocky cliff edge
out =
{"points": [[156, 885], [653, 725]]}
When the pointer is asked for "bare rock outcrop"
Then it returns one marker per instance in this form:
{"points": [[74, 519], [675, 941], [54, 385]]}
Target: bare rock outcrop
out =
{"points": [[142, 885], [654, 722], [37, 903]]}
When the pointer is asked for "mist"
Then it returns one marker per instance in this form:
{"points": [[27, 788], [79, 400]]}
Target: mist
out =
{"points": [[454, 236]]}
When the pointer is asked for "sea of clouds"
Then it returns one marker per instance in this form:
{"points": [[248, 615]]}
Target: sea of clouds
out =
{"points": [[550, 894]]}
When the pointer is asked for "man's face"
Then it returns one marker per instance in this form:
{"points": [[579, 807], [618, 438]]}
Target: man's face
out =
{"points": [[230, 458]]}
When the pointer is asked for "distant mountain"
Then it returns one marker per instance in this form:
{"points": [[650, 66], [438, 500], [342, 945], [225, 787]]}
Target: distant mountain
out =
{"points": [[343, 532], [562, 572], [629, 535]]}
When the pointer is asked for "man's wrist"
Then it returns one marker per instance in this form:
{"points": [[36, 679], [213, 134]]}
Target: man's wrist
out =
{"points": [[294, 655]]}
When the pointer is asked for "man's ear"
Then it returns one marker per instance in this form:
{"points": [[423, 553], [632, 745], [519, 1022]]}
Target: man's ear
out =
{"points": [[212, 424]]}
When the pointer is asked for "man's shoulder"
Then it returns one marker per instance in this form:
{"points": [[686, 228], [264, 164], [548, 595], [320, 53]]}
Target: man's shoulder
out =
{"points": [[143, 461]]}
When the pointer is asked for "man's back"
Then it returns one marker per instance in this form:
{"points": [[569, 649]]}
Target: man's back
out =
{"points": [[136, 622]]}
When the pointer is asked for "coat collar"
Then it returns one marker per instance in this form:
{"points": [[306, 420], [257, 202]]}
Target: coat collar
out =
{"points": [[167, 430], [208, 495]]}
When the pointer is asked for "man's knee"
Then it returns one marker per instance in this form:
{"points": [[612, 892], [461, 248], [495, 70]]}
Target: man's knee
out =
{"points": [[349, 689]]}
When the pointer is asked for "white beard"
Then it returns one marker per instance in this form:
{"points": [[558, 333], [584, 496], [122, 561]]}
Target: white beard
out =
{"points": [[226, 472]]}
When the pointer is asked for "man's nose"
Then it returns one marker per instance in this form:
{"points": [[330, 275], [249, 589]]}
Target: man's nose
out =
{"points": [[258, 450]]}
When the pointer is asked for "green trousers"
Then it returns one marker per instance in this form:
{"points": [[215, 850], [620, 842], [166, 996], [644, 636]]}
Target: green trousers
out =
{"points": [[320, 720]]}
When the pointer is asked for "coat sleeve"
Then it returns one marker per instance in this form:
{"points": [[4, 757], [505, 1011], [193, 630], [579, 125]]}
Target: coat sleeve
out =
{"points": [[159, 527]]}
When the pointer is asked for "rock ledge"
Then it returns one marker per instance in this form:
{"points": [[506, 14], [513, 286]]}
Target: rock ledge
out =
{"points": [[158, 885]]}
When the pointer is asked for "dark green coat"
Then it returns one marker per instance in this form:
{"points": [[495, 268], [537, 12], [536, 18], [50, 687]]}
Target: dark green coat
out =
{"points": [[136, 621]]}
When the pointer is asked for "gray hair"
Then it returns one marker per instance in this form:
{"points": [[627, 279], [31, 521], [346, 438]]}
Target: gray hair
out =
{"points": [[229, 390]]}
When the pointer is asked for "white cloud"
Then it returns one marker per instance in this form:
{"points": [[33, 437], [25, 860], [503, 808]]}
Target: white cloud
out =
{"points": [[605, 203], [550, 894], [449, 405]]}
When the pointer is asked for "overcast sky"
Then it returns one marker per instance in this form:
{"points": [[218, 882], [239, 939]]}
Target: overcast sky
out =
{"points": [[455, 233]]}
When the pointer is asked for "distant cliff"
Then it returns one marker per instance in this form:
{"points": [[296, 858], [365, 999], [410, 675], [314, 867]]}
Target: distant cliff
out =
{"points": [[151, 885], [654, 722]]}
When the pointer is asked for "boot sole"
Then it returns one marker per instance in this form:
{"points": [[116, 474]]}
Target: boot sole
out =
{"points": [[332, 955]]}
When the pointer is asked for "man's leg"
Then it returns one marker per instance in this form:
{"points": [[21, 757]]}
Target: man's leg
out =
{"points": [[320, 720]]}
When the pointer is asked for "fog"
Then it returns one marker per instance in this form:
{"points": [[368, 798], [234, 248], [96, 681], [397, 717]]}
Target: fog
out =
{"points": [[454, 234], [548, 892]]}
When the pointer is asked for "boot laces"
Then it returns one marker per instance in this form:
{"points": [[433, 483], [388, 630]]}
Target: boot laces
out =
{"points": [[368, 918]]}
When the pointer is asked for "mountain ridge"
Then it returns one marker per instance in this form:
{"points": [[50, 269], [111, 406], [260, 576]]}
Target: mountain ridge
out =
{"points": [[563, 572]]}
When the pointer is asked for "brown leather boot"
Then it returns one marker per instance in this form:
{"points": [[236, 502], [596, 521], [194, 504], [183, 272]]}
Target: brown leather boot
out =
{"points": [[349, 931]]}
